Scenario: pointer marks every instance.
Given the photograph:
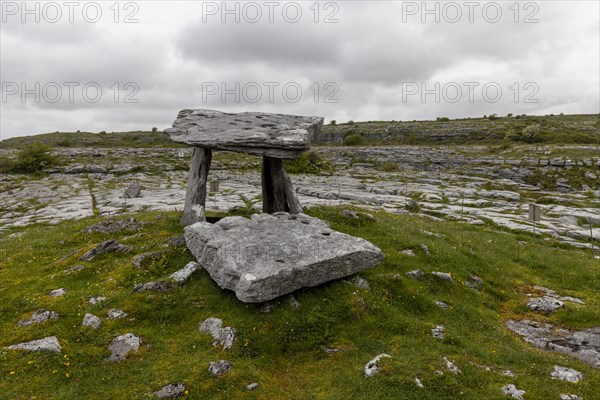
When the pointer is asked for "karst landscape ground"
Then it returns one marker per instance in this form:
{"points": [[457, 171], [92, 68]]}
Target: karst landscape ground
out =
{"points": [[467, 301]]}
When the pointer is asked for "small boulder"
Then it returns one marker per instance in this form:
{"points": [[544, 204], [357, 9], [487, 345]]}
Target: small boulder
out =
{"points": [[416, 274], [38, 317], [184, 274], [443, 275], [58, 292], [545, 304], [96, 299], [109, 246], [171, 391], [252, 386], [360, 283], [419, 383], [154, 287], [145, 258], [219, 367], [441, 305], [91, 320], [570, 397], [474, 282], [214, 327], [49, 343], [424, 248], [372, 366], [512, 391], [409, 253], [122, 345], [112, 226], [115, 313], [438, 331], [566, 374]]}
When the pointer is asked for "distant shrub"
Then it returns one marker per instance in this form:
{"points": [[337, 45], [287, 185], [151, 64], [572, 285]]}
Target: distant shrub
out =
{"points": [[529, 134], [154, 129], [34, 158], [443, 119], [350, 122], [388, 167], [103, 132], [354, 139], [509, 115], [333, 122], [492, 117], [308, 163]]}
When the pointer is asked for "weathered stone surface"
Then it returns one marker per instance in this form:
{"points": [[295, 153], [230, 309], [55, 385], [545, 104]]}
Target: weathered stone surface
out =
{"points": [[224, 336], [109, 246], [155, 287], [585, 345], [112, 226], [275, 135], [115, 313], [252, 386], [219, 367], [171, 391], [272, 255], [438, 331], [38, 317], [570, 397], [96, 299], [474, 282], [566, 374], [512, 391], [91, 320], [177, 241], [372, 366], [443, 275], [416, 274], [184, 274], [441, 304], [58, 292], [545, 304], [122, 345], [132, 191], [360, 283], [73, 269], [49, 343]]}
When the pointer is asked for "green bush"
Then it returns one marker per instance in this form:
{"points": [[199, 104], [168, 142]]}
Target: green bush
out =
{"points": [[308, 163], [443, 119], [333, 122], [34, 158], [388, 167], [354, 139]]}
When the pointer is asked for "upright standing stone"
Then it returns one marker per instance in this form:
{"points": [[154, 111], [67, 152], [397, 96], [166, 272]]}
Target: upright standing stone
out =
{"points": [[196, 188]]}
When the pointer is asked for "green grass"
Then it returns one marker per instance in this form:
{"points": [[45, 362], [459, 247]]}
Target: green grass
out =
{"points": [[284, 350]]}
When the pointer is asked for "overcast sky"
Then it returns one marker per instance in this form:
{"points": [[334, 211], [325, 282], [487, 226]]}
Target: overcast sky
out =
{"points": [[340, 59]]}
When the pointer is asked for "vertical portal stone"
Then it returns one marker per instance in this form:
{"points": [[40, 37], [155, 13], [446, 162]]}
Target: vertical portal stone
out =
{"points": [[278, 193], [196, 188]]}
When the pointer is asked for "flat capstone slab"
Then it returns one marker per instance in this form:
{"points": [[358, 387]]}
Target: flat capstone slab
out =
{"points": [[263, 134], [271, 255]]}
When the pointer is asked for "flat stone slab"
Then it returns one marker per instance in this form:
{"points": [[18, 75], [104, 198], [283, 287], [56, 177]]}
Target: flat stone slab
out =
{"points": [[264, 134], [49, 344], [271, 255]]}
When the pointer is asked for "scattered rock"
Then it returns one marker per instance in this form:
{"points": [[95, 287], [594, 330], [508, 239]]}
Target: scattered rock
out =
{"points": [[409, 253], [219, 367], [122, 345], [545, 304], [154, 287], [512, 391], [49, 343], [360, 283], [224, 336], [112, 226], [38, 317], [115, 313], [585, 345], [438, 331], [74, 269], [96, 299], [373, 366], [416, 274], [109, 246], [441, 305], [419, 383], [92, 321], [58, 292], [293, 302], [508, 373], [144, 258], [570, 397], [443, 275], [474, 282], [424, 248], [171, 391], [252, 386], [451, 366], [184, 274], [566, 374], [269, 256]]}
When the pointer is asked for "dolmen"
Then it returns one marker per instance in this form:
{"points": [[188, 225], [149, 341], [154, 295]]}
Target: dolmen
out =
{"points": [[281, 249]]}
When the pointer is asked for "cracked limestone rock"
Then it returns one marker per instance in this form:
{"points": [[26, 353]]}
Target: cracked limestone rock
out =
{"points": [[372, 366], [122, 345], [268, 256], [91, 320], [38, 317], [566, 374], [224, 336], [49, 343]]}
